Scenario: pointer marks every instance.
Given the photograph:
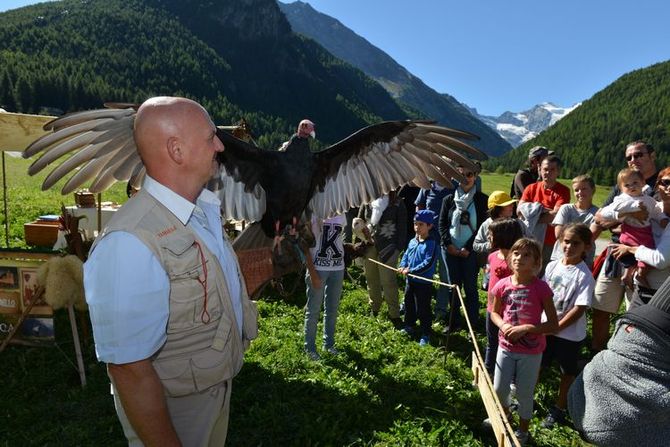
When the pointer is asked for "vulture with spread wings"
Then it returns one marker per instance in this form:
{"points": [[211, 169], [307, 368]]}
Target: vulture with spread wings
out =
{"points": [[275, 188]]}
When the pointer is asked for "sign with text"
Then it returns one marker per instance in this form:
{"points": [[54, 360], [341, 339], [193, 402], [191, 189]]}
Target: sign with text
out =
{"points": [[18, 290]]}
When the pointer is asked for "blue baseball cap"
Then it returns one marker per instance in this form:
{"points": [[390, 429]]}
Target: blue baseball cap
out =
{"points": [[425, 216]]}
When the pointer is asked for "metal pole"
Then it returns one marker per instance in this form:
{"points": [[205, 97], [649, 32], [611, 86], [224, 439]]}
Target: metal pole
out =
{"points": [[99, 212], [4, 198]]}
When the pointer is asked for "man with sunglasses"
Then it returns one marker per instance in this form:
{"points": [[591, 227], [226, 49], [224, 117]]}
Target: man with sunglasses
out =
{"points": [[609, 291], [641, 157]]}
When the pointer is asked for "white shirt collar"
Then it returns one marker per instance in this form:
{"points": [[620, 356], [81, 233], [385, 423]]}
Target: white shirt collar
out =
{"points": [[176, 204]]}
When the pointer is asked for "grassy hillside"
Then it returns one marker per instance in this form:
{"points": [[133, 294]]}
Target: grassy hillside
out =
{"points": [[592, 138]]}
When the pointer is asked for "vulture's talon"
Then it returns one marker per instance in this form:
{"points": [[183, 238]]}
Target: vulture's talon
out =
{"points": [[276, 244]]}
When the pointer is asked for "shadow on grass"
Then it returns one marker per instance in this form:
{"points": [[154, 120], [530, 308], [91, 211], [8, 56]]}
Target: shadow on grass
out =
{"points": [[308, 412], [43, 403]]}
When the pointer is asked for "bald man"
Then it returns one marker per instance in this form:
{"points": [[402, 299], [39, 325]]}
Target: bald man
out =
{"points": [[170, 312]]}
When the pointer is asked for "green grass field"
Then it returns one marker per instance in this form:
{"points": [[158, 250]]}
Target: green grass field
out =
{"points": [[382, 390]]}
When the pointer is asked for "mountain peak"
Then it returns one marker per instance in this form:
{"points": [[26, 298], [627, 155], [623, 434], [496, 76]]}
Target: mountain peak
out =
{"points": [[519, 127], [419, 99]]}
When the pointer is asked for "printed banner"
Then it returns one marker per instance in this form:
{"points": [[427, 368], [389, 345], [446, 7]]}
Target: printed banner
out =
{"points": [[18, 287]]}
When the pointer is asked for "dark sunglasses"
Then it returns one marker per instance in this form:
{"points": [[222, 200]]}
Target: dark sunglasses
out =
{"points": [[469, 174], [635, 156], [664, 182]]}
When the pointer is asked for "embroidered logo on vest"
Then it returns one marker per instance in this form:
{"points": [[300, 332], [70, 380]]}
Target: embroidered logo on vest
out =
{"points": [[167, 231]]}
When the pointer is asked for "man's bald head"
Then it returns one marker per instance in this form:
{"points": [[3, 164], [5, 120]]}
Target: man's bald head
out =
{"points": [[177, 142], [158, 119]]}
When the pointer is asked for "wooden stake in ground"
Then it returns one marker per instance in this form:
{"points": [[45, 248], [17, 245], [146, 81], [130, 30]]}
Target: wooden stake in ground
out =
{"points": [[77, 345]]}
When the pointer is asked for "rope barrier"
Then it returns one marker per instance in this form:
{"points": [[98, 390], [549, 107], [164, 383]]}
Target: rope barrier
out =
{"points": [[494, 409]]}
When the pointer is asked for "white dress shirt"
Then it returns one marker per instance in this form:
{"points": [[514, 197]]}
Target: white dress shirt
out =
{"points": [[128, 290]]}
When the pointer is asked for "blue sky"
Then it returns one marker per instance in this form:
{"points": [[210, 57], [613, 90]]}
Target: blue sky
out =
{"points": [[500, 55]]}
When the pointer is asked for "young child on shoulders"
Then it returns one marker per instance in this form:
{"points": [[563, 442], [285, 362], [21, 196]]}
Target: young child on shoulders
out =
{"points": [[518, 303], [572, 284], [502, 234], [419, 259], [582, 211]]}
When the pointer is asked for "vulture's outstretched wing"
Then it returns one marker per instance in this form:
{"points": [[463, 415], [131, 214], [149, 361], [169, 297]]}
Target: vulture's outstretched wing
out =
{"points": [[100, 141], [101, 150], [380, 158]]}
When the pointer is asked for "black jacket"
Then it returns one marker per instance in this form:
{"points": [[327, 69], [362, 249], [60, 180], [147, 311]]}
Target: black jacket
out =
{"points": [[448, 206]]}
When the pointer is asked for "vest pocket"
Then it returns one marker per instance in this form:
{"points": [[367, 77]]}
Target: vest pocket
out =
{"points": [[176, 376], [186, 300], [186, 269], [211, 368], [184, 376]]}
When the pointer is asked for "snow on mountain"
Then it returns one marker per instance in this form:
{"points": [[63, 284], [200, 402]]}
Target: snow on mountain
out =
{"points": [[519, 127]]}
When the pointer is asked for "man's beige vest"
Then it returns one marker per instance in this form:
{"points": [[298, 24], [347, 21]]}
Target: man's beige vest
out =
{"points": [[203, 346]]}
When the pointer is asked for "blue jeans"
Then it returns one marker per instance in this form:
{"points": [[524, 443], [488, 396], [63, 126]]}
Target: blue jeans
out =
{"points": [[443, 295], [417, 304], [329, 294], [463, 272]]}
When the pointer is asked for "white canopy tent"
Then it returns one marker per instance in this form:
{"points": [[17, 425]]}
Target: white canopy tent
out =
{"points": [[17, 131]]}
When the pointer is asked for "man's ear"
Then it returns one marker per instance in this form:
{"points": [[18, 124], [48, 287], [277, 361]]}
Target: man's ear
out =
{"points": [[174, 150]]}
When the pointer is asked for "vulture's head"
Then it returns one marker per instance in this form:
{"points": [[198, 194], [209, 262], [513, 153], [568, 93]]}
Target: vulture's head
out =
{"points": [[306, 129], [361, 230]]}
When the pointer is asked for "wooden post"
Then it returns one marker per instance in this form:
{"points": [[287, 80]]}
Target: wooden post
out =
{"points": [[77, 345], [4, 197], [501, 428]]}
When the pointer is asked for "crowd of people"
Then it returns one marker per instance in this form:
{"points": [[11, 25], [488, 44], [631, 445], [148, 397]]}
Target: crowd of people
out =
{"points": [[171, 369], [540, 267]]}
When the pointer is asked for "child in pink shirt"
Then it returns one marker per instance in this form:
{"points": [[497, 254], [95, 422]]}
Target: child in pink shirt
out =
{"points": [[502, 234], [518, 303]]}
